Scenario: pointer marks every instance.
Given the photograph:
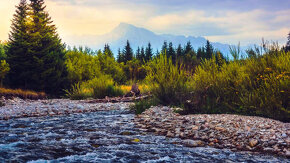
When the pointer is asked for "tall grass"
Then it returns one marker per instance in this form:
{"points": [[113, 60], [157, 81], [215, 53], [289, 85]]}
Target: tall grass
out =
{"points": [[252, 86], [166, 82], [24, 94], [96, 88]]}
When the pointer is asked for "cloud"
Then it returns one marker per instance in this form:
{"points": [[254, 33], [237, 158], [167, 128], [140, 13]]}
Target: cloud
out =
{"points": [[228, 21]]}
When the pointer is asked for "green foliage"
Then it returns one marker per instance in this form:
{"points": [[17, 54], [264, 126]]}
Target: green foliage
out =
{"points": [[3, 54], [103, 86], [110, 67], [81, 65], [142, 105], [78, 92], [35, 51], [127, 53], [253, 86], [4, 69], [99, 87], [166, 81]]}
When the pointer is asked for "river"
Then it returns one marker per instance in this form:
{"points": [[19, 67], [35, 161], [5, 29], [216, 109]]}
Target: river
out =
{"points": [[104, 136]]}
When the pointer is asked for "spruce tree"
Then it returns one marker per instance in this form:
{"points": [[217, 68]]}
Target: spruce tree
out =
{"points": [[148, 53], [179, 51], [120, 57], [138, 54], [47, 51], [107, 51], [208, 50], [288, 43], [41, 51], [187, 48], [171, 52], [142, 53], [128, 52], [200, 53], [17, 52], [164, 49]]}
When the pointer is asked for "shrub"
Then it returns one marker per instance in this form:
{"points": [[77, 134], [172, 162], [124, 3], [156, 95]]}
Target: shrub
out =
{"points": [[24, 94], [97, 88], [78, 92], [253, 86], [166, 82], [140, 106]]}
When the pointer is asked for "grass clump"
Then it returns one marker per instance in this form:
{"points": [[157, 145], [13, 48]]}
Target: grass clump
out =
{"points": [[96, 88], [24, 94], [142, 105], [251, 86], [166, 81]]}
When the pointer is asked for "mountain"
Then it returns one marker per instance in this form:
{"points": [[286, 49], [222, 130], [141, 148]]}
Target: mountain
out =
{"points": [[141, 37]]}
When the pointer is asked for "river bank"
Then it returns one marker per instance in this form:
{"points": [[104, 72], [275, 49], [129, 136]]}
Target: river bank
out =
{"points": [[235, 132], [51, 123]]}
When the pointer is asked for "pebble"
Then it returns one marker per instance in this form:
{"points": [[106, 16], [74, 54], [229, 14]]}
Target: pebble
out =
{"points": [[236, 132], [18, 108]]}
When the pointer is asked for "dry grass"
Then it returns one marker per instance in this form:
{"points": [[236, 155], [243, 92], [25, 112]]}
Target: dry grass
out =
{"points": [[127, 88], [24, 94]]}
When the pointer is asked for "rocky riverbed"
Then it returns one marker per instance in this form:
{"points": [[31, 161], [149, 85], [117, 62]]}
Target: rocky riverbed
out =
{"points": [[80, 131], [235, 132], [18, 108]]}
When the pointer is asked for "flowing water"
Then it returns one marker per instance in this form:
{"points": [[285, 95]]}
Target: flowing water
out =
{"points": [[105, 136]]}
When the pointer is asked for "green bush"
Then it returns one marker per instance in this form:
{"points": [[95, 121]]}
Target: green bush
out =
{"points": [[253, 86], [78, 92], [103, 86], [96, 88], [166, 82], [140, 106]]}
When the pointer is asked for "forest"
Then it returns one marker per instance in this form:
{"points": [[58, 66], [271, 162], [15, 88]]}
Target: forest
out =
{"points": [[203, 80]]}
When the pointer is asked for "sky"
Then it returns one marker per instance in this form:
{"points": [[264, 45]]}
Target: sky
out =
{"points": [[225, 21]]}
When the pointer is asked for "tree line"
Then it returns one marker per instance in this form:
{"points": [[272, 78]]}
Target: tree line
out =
{"points": [[35, 58]]}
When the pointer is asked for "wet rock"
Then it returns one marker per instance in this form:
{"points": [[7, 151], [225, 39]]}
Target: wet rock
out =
{"points": [[169, 134], [193, 143], [253, 142]]}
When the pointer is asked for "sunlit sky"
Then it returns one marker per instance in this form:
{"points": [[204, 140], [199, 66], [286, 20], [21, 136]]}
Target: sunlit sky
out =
{"points": [[226, 21]]}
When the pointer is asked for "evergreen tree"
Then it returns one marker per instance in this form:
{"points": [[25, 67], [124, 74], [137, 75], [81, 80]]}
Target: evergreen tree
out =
{"points": [[120, 57], [138, 54], [128, 52], [107, 51], [148, 53], [171, 52], [179, 51], [200, 53], [164, 49], [35, 42], [142, 53], [17, 52], [187, 48], [288, 43], [208, 50]]}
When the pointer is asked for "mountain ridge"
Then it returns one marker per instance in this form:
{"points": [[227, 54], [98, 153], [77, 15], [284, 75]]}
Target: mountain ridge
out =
{"points": [[139, 37]]}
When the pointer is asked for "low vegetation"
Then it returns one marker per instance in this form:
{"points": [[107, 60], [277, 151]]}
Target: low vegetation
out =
{"points": [[199, 80], [251, 86], [24, 94]]}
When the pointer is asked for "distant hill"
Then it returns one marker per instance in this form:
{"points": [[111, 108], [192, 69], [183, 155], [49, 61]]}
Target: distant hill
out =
{"points": [[140, 37]]}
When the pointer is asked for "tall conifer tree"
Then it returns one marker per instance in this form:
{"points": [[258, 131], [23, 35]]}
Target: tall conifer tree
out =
{"points": [[187, 48], [42, 53], [17, 53], [128, 52], [208, 50], [171, 52], [148, 53]]}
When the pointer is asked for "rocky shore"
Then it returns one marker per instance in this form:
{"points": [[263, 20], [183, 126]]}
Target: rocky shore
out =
{"points": [[235, 132], [18, 108]]}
